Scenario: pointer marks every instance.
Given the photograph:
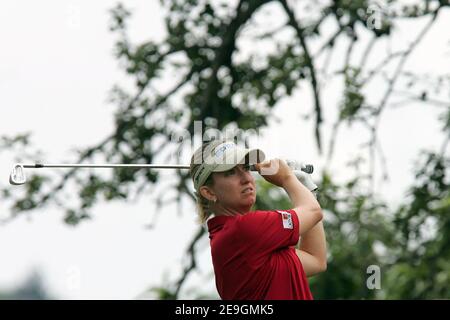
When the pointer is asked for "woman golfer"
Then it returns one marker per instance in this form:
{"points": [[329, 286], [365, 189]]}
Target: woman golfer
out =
{"points": [[256, 254]]}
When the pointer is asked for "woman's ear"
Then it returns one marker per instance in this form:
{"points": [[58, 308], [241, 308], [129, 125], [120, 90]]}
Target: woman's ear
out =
{"points": [[207, 193]]}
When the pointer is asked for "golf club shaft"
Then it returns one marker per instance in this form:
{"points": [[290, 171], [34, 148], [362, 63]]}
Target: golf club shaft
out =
{"points": [[137, 166], [293, 164], [18, 177]]}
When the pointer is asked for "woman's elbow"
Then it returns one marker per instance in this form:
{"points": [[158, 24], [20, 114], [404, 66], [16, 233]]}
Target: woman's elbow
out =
{"points": [[323, 266], [319, 267], [318, 214]]}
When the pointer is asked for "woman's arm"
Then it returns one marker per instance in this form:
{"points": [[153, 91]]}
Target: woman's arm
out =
{"points": [[312, 250], [305, 205]]}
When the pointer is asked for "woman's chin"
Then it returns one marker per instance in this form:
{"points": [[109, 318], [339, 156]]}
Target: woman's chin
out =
{"points": [[250, 201]]}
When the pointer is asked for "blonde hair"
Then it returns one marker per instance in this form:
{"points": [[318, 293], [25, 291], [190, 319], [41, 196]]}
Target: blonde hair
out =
{"points": [[203, 204]]}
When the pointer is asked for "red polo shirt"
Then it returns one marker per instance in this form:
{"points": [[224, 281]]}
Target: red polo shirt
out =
{"points": [[253, 259]]}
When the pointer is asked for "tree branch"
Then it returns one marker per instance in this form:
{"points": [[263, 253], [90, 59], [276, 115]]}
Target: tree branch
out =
{"points": [[245, 10], [309, 62], [391, 84], [190, 252]]}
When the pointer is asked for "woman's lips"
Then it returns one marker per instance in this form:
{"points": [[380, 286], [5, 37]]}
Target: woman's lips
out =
{"points": [[247, 190]]}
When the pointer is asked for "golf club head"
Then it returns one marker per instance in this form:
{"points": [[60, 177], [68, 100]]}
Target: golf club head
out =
{"points": [[17, 176]]}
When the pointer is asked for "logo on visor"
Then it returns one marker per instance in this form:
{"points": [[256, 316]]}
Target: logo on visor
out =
{"points": [[220, 150]]}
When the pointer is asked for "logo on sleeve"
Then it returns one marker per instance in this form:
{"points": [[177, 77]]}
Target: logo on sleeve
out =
{"points": [[287, 220]]}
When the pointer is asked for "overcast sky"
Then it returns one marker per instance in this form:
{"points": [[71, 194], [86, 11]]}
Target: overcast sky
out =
{"points": [[56, 70]]}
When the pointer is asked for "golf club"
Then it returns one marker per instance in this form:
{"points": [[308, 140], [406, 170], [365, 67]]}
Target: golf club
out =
{"points": [[18, 177]]}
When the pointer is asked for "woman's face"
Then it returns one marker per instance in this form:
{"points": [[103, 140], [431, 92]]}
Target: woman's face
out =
{"points": [[235, 190]]}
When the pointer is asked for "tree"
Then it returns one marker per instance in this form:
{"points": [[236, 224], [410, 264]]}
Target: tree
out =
{"points": [[215, 82], [31, 289]]}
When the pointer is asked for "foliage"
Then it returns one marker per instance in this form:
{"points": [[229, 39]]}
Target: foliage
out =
{"points": [[214, 81], [31, 289]]}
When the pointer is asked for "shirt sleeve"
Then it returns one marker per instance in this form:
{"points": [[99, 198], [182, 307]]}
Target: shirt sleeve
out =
{"points": [[263, 232]]}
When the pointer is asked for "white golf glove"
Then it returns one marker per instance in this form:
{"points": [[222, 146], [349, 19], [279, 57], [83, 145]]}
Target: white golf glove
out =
{"points": [[306, 180]]}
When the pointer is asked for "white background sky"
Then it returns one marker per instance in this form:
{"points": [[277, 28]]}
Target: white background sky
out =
{"points": [[56, 67]]}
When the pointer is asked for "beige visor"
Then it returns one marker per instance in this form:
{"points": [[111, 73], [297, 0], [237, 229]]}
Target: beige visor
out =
{"points": [[224, 157]]}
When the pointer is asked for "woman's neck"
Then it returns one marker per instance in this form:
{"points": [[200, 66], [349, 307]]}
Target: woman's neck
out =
{"points": [[224, 211]]}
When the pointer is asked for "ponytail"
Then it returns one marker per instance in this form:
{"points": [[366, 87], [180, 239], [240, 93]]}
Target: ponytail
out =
{"points": [[203, 204]]}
